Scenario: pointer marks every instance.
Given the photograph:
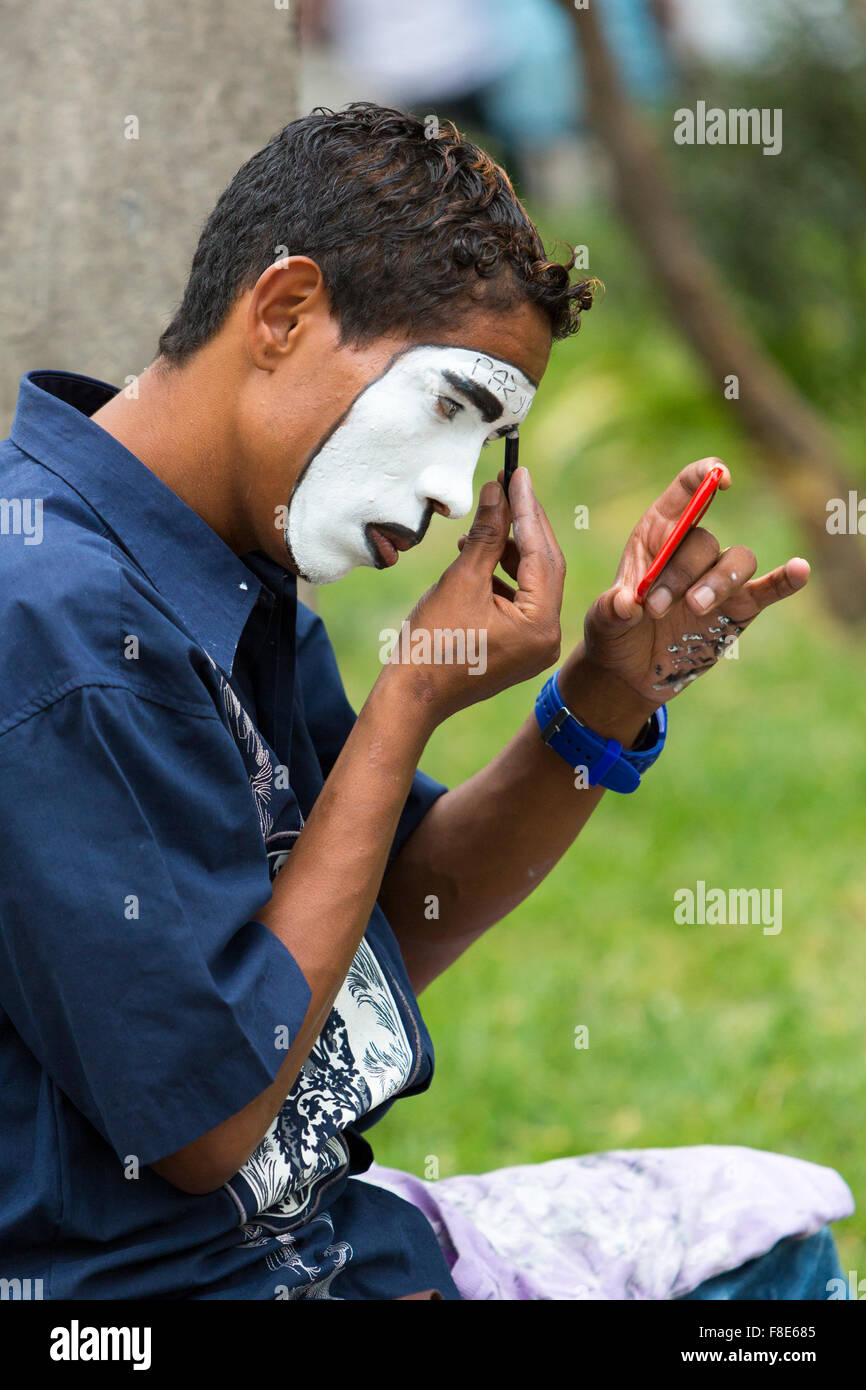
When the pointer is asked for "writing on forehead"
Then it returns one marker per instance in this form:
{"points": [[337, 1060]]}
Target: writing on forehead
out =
{"points": [[495, 375]]}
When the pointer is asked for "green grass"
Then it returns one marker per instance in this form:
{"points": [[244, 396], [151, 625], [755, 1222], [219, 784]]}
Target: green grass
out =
{"points": [[698, 1034]]}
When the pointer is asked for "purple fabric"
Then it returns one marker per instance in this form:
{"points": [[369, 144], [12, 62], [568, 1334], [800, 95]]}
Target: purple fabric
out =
{"points": [[628, 1224]]}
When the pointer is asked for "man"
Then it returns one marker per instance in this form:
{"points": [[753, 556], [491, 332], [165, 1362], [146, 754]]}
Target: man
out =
{"points": [[214, 874]]}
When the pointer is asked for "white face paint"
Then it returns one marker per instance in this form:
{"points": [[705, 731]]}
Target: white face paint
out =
{"points": [[411, 438]]}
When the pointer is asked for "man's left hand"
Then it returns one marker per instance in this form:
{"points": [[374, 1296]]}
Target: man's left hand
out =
{"points": [[702, 601]]}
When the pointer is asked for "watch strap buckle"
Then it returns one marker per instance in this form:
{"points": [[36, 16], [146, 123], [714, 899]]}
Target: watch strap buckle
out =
{"points": [[553, 726]]}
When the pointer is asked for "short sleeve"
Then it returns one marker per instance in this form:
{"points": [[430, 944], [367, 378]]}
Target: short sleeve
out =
{"points": [[330, 718], [131, 961]]}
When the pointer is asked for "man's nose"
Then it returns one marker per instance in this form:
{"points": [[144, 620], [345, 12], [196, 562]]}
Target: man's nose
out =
{"points": [[447, 491]]}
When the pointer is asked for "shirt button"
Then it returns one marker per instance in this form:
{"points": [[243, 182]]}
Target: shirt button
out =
{"points": [[243, 584]]}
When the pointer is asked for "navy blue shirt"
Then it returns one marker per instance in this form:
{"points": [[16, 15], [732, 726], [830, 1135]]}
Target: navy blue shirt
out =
{"points": [[169, 712]]}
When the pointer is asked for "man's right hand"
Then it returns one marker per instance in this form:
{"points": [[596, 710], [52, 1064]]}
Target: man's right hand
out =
{"points": [[521, 626]]}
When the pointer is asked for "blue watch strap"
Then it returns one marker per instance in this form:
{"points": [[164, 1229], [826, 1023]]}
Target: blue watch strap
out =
{"points": [[607, 763]]}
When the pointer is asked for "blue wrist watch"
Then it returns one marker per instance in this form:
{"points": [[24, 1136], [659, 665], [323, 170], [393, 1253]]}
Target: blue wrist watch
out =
{"points": [[608, 764]]}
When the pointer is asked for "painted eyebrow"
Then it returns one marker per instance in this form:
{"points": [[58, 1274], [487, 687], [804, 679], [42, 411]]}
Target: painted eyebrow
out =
{"points": [[488, 405]]}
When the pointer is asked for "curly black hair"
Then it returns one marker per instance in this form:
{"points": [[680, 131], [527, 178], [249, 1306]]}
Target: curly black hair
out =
{"points": [[411, 226]]}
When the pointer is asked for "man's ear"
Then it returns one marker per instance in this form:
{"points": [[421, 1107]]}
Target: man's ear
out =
{"points": [[285, 298]]}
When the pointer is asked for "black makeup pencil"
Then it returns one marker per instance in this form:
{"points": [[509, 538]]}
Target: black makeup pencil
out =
{"points": [[512, 444]]}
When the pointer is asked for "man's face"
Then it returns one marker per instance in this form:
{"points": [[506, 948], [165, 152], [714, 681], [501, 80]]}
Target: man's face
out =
{"points": [[409, 441], [389, 433]]}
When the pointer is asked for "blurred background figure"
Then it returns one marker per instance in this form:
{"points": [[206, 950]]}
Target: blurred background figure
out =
{"points": [[505, 71]]}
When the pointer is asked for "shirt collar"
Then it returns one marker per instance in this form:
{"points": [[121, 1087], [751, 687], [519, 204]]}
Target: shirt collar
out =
{"points": [[212, 588]]}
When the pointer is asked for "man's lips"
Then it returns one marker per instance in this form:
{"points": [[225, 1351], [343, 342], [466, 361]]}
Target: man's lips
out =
{"points": [[388, 541]]}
